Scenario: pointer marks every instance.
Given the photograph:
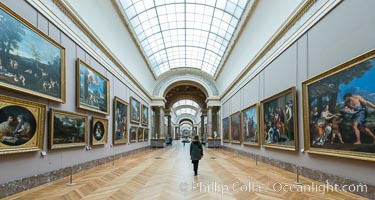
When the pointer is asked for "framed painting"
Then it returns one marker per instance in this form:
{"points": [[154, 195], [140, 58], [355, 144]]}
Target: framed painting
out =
{"points": [[99, 131], [339, 110], [135, 110], [133, 134], [67, 129], [144, 118], [92, 89], [235, 128], [21, 125], [226, 135], [279, 120], [120, 119], [146, 133], [140, 134], [30, 61], [250, 127]]}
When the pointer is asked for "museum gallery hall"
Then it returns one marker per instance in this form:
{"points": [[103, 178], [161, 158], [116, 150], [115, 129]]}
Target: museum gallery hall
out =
{"points": [[187, 99]]}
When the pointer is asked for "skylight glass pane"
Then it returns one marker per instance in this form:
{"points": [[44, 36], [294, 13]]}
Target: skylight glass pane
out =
{"points": [[190, 33]]}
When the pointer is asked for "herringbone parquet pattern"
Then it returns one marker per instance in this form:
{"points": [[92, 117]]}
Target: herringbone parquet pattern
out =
{"points": [[167, 174]]}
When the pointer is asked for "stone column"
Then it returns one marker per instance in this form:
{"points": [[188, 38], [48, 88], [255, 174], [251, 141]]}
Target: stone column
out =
{"points": [[169, 126], [209, 123], [202, 126], [161, 124], [156, 127]]}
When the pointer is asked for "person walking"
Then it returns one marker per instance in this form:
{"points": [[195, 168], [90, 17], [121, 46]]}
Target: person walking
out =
{"points": [[196, 153]]}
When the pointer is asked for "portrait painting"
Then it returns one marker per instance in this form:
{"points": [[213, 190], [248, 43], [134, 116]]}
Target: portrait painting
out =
{"points": [[133, 134], [279, 121], [92, 89], [226, 135], [67, 129], [140, 134], [120, 121], [99, 131], [235, 128], [135, 111], [250, 127], [144, 115], [339, 110], [21, 125], [30, 61], [146, 134]]}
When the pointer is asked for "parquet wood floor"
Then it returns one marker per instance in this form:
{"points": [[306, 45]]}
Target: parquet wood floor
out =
{"points": [[168, 174]]}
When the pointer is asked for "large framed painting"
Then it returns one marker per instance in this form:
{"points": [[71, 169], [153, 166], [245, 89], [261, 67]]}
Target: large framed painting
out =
{"points": [[67, 129], [279, 120], [133, 134], [140, 134], [250, 127], [339, 110], [144, 118], [92, 89], [135, 110], [99, 131], [226, 135], [120, 121], [30, 61], [235, 128], [146, 133], [21, 125]]}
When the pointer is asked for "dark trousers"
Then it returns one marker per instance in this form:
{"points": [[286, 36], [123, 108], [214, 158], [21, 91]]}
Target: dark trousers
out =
{"points": [[195, 163]]}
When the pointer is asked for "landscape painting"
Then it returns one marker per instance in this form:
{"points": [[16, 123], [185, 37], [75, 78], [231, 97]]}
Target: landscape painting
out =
{"points": [[235, 128], [144, 115], [92, 89], [30, 61], [21, 125], [250, 127], [67, 129], [279, 120], [120, 118], [135, 111], [226, 136], [339, 110], [99, 131]]}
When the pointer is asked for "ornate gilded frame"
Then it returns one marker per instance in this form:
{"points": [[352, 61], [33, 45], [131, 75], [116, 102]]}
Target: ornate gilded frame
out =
{"points": [[116, 130], [135, 115], [104, 138], [236, 115], [226, 121], [256, 117]]}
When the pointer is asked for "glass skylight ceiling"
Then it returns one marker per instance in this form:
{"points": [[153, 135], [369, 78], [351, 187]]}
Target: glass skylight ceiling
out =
{"points": [[183, 33], [185, 102], [185, 111]]}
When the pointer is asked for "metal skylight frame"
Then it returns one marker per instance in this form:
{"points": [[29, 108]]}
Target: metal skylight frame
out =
{"points": [[183, 33], [185, 102]]}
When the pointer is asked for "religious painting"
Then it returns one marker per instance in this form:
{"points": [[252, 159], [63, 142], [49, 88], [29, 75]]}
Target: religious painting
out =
{"points": [[99, 131], [30, 61], [140, 134], [339, 110], [279, 121], [135, 110], [144, 115], [146, 134], [250, 127], [92, 89], [133, 134], [67, 129], [226, 135], [120, 121], [235, 128], [21, 125]]}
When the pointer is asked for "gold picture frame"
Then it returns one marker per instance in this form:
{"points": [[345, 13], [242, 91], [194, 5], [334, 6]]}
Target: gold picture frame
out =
{"points": [[144, 115], [42, 72], [235, 128], [135, 110], [120, 121], [21, 125], [133, 134], [140, 135], [99, 131], [92, 89], [146, 133], [336, 104], [278, 121], [250, 125], [226, 130], [67, 129]]}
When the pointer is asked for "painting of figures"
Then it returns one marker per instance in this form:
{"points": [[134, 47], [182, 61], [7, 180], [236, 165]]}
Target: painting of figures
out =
{"points": [[145, 134], [235, 128], [140, 134], [67, 129], [120, 118], [279, 121], [144, 115], [133, 134], [339, 110], [250, 128], [135, 111], [30, 61], [99, 131], [21, 125], [92, 89], [226, 136]]}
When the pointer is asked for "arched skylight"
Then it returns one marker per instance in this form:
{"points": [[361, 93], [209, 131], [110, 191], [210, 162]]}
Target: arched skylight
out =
{"points": [[183, 33], [186, 111], [185, 102]]}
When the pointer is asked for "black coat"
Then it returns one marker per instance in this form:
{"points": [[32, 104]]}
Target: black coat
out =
{"points": [[196, 150]]}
